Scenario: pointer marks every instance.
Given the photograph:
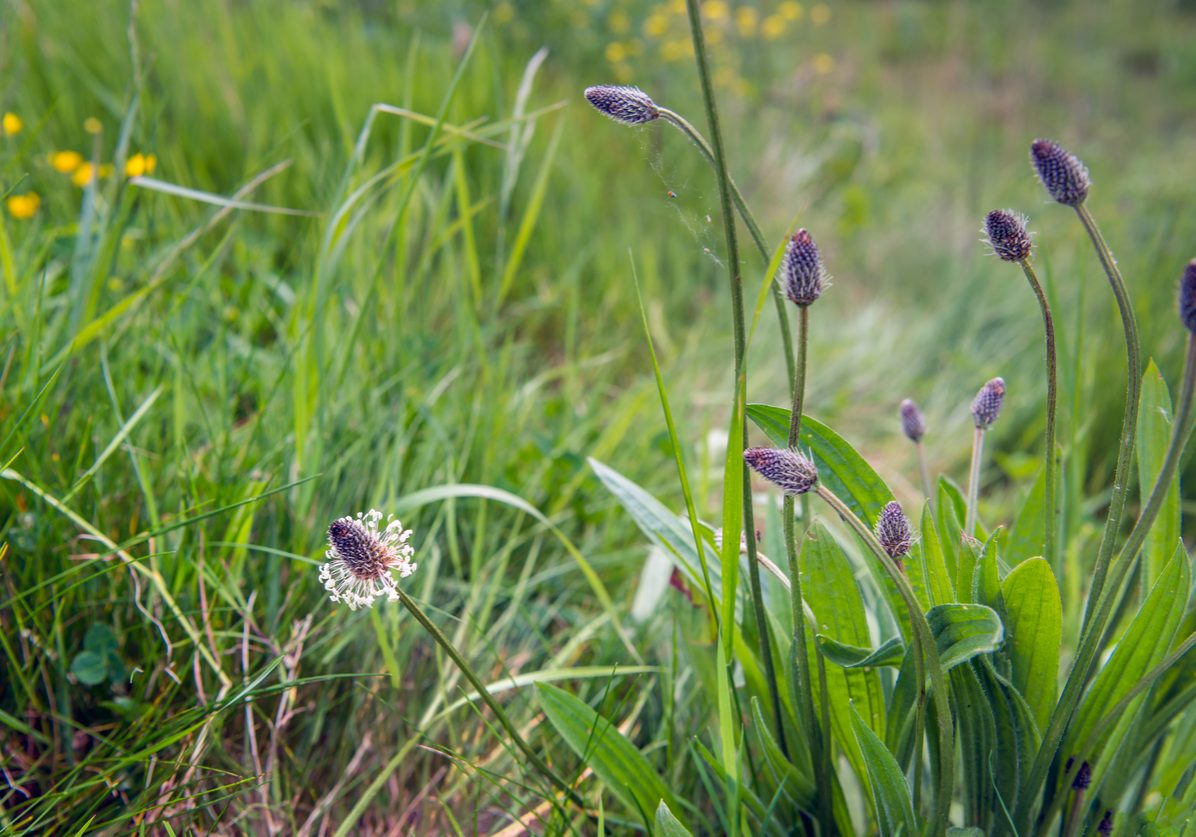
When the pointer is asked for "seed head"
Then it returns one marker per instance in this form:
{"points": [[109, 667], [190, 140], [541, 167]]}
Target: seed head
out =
{"points": [[1083, 777], [1060, 171], [1106, 824], [1187, 296], [362, 558], [801, 272], [893, 531], [912, 421], [1006, 231], [789, 470], [628, 105], [986, 406]]}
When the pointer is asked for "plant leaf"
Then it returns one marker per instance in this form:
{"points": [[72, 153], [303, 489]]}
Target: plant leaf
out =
{"points": [[1154, 435], [961, 631], [667, 824], [890, 653], [891, 800], [614, 759], [1034, 620]]}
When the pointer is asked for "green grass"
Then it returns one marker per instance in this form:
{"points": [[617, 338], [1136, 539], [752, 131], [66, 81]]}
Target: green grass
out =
{"points": [[189, 394]]}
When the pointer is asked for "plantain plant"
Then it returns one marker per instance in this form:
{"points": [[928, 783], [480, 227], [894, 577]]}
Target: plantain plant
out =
{"points": [[884, 681]]}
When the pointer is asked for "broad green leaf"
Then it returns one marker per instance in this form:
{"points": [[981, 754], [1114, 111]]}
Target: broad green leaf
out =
{"points": [[890, 653], [986, 582], [667, 825], [961, 631], [90, 668], [614, 759], [831, 590], [977, 741], [949, 515], [891, 802], [1154, 435], [794, 786], [1034, 620], [1017, 736], [1144, 643], [840, 467]]}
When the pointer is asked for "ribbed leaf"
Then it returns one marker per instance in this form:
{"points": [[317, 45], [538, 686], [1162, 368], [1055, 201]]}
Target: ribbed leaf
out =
{"points": [[890, 653], [667, 825], [934, 565], [1034, 620], [1026, 536], [962, 631], [1154, 434], [614, 759], [891, 802]]}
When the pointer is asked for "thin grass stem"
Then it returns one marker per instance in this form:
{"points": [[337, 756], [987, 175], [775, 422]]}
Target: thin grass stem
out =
{"points": [[467, 670], [927, 486], [1050, 464]]}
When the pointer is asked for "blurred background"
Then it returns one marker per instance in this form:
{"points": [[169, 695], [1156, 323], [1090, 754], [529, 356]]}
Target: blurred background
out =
{"points": [[442, 293]]}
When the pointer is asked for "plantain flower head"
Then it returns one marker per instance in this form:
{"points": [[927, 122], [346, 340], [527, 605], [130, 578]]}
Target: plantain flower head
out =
{"points": [[628, 105], [363, 559]]}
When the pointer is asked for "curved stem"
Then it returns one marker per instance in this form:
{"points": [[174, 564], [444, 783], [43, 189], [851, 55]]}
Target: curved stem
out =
{"points": [[719, 160], [454, 655], [749, 221], [1129, 421], [969, 527], [1050, 465], [925, 653], [1090, 640]]}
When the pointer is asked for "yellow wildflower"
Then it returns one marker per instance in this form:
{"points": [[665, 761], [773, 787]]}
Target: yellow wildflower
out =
{"points": [[656, 25], [676, 49], [820, 14], [23, 206], [11, 124], [619, 22], [677, 7], [92, 125], [615, 52], [773, 27], [65, 162], [747, 19], [714, 9], [824, 63], [84, 175], [140, 164], [790, 10]]}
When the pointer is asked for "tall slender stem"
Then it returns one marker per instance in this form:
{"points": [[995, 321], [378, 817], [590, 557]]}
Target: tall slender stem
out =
{"points": [[740, 399], [969, 527], [1090, 638], [926, 658], [927, 486], [1129, 421], [467, 670], [803, 689], [1050, 465]]}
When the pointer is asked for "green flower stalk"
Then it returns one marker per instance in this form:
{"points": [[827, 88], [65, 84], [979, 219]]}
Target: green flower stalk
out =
{"points": [[1010, 241], [986, 406]]}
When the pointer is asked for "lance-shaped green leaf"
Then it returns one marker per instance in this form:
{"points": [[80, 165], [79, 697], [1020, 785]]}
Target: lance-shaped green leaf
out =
{"points": [[599, 744], [890, 653], [891, 802], [1034, 620], [1154, 434], [667, 824]]}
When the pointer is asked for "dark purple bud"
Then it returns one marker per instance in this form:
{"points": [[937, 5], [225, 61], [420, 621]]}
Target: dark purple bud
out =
{"points": [[1187, 296], [1106, 824], [893, 531], [1083, 777], [1060, 171], [784, 467], [628, 105], [986, 406], [912, 421], [801, 272], [1006, 231]]}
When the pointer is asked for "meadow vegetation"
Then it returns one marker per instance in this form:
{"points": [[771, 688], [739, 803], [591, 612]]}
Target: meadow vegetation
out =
{"points": [[263, 265]]}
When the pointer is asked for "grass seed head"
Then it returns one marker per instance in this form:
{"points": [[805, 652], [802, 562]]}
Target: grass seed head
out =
{"points": [[801, 272], [912, 421], [1187, 296], [628, 105], [1083, 777], [1007, 235], [1106, 824], [1060, 171], [986, 406], [785, 468]]}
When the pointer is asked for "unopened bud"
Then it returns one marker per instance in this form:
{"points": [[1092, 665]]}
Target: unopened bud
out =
{"points": [[1006, 231], [1187, 296], [893, 531], [912, 421], [789, 470], [801, 273], [1060, 171], [986, 406], [628, 105]]}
